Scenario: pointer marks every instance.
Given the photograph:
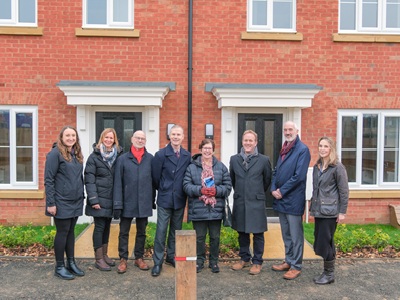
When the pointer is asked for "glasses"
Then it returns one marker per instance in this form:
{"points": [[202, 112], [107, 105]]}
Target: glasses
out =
{"points": [[140, 138], [207, 148]]}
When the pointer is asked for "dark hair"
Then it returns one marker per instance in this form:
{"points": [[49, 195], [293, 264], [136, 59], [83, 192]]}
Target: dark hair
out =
{"points": [[207, 141], [63, 148]]}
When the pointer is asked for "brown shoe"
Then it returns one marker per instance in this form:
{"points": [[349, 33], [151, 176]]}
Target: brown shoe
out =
{"points": [[123, 265], [240, 265], [282, 267], [255, 269], [292, 274], [141, 264]]}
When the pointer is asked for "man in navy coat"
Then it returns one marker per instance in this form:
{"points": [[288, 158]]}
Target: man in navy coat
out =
{"points": [[168, 169], [289, 190]]}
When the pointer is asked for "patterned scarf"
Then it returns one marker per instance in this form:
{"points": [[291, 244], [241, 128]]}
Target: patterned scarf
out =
{"points": [[286, 148], [108, 156], [247, 157], [207, 173]]}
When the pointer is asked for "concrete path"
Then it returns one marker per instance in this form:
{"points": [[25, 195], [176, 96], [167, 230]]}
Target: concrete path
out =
{"points": [[274, 248]]}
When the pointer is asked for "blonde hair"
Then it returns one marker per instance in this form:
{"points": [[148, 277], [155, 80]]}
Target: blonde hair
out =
{"points": [[333, 158], [64, 149], [251, 132], [104, 133]]}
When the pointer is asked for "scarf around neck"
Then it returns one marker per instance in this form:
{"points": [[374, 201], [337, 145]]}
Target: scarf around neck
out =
{"points": [[247, 157], [286, 147], [108, 156], [137, 153]]}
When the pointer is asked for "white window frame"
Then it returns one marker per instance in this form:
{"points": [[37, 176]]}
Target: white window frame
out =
{"points": [[381, 26], [380, 146], [110, 23], [14, 184], [14, 16], [269, 26]]}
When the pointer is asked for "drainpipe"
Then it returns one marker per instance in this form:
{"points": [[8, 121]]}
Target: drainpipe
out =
{"points": [[190, 71]]}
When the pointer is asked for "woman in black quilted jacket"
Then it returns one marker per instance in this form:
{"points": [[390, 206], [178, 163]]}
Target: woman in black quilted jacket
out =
{"points": [[99, 181]]}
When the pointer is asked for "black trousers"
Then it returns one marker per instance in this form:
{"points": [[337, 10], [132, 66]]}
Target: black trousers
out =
{"points": [[214, 230], [64, 240], [123, 239], [324, 244], [101, 232]]}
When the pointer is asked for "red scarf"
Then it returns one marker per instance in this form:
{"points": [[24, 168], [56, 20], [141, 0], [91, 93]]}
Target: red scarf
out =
{"points": [[137, 153], [286, 148]]}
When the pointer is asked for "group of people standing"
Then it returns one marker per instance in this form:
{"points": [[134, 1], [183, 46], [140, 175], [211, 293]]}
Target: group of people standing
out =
{"points": [[123, 186]]}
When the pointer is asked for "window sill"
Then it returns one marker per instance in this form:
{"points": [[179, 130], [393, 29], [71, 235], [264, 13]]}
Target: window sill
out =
{"points": [[133, 33], [21, 30], [366, 38], [374, 194], [18, 194], [268, 36]]}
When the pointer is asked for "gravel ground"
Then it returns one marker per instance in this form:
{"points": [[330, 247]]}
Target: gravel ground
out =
{"points": [[27, 278]]}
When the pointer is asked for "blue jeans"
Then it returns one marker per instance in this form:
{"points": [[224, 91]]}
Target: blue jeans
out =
{"points": [[165, 217], [214, 229], [293, 239], [258, 247]]}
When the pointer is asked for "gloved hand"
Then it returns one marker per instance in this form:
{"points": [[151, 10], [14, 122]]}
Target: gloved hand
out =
{"points": [[204, 191], [211, 192], [117, 213]]}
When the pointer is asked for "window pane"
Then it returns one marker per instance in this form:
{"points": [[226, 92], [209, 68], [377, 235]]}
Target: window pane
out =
{"points": [[259, 12], [96, 11], [283, 14], [120, 10], [250, 125], [370, 13], [4, 128], [370, 128], [24, 164], [349, 161], [129, 127], [4, 165], [391, 150], [5, 9], [393, 14], [349, 132], [368, 172], [109, 123], [24, 129], [348, 15], [27, 11], [269, 129]]}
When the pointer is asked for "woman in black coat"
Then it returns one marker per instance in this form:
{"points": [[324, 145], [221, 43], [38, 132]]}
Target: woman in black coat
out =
{"points": [[63, 183], [207, 184], [99, 181]]}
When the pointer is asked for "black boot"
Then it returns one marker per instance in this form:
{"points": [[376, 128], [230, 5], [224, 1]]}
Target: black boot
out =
{"points": [[73, 268], [329, 273], [62, 272]]}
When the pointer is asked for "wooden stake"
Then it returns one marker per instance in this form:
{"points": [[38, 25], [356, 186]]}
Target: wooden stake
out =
{"points": [[185, 265]]}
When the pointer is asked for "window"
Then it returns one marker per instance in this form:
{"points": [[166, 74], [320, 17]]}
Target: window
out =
{"points": [[18, 13], [271, 15], [108, 14], [18, 147], [369, 16], [369, 143]]}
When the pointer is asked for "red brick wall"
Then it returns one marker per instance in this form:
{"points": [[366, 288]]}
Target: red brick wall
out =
{"points": [[353, 75], [22, 212]]}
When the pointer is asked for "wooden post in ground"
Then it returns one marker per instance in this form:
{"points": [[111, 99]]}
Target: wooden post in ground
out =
{"points": [[185, 265]]}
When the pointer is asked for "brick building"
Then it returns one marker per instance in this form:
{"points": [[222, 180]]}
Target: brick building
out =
{"points": [[333, 67]]}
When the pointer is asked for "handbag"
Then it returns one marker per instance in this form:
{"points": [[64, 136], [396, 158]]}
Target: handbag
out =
{"points": [[227, 215]]}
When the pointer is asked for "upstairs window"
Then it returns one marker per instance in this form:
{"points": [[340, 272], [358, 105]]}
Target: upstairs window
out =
{"points": [[108, 14], [271, 15], [18, 147], [369, 146], [18, 13], [369, 16]]}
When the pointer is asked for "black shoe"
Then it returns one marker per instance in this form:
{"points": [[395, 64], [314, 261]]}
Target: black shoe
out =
{"points": [[73, 268], [156, 270], [170, 262], [214, 268], [62, 272], [199, 268]]}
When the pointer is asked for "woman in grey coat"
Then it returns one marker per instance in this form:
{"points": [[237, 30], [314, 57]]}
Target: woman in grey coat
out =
{"points": [[63, 182], [207, 184], [99, 182], [328, 205]]}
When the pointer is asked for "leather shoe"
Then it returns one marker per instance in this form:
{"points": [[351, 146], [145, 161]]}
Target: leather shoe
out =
{"points": [[255, 269], [141, 264], [240, 265], [199, 268], [214, 268], [123, 265], [156, 270], [170, 262], [292, 274], [282, 267]]}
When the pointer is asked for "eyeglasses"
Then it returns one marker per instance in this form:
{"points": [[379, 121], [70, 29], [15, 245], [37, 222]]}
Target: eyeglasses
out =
{"points": [[140, 138], [207, 148]]}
